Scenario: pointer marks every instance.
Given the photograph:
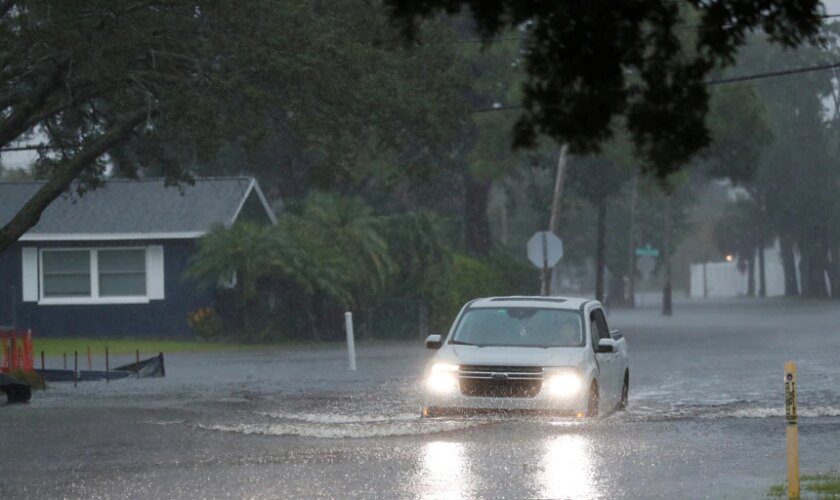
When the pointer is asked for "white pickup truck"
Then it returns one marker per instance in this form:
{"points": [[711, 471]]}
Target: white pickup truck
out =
{"points": [[548, 354]]}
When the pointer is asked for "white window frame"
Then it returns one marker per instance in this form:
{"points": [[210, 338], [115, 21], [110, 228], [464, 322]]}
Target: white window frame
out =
{"points": [[94, 297]]}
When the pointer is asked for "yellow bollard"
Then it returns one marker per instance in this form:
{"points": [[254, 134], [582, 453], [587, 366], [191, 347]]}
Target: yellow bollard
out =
{"points": [[792, 430]]}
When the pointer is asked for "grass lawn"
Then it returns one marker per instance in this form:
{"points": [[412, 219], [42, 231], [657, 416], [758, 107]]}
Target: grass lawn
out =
{"points": [[147, 347], [812, 486]]}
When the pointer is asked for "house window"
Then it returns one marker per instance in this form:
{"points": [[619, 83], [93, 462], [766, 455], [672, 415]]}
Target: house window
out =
{"points": [[66, 273], [122, 273], [101, 275]]}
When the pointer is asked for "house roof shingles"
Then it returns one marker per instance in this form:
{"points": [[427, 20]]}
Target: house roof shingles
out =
{"points": [[133, 208]]}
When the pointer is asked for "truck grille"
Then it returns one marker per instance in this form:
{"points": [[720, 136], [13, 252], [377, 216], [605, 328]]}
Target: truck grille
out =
{"points": [[500, 381]]}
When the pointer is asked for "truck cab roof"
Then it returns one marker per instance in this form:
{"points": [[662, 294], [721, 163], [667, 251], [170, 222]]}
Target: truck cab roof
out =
{"points": [[553, 302]]}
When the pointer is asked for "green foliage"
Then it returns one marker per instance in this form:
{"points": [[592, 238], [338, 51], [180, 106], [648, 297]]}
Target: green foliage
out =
{"points": [[470, 278], [473, 278], [304, 92], [331, 253], [741, 130], [343, 237], [777, 490], [243, 252], [56, 347], [419, 253], [795, 181], [624, 59], [597, 178], [347, 100], [825, 485], [738, 231]]}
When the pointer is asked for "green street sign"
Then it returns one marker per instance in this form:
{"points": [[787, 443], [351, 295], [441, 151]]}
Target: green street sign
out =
{"points": [[647, 251]]}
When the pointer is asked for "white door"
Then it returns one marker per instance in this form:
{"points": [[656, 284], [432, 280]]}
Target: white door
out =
{"points": [[609, 364]]}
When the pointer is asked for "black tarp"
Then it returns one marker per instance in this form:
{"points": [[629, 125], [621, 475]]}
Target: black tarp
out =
{"points": [[150, 367]]}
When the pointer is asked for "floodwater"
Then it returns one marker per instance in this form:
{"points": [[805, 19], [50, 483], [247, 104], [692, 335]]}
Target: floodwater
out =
{"points": [[705, 421]]}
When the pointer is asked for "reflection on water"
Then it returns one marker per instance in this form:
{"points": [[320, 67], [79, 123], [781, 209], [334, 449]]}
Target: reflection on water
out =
{"points": [[444, 471], [567, 468]]}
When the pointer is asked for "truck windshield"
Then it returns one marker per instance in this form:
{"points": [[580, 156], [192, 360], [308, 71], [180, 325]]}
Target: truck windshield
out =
{"points": [[519, 327]]}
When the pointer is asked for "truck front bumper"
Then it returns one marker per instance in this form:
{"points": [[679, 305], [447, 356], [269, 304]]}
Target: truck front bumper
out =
{"points": [[543, 402]]}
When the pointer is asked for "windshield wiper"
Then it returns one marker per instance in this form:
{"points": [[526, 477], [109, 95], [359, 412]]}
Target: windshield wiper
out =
{"points": [[461, 342]]}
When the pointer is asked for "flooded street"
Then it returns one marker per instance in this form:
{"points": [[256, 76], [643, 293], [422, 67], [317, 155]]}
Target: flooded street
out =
{"points": [[705, 420]]}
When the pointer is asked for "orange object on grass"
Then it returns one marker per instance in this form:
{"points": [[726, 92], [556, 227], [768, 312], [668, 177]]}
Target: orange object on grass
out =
{"points": [[16, 350]]}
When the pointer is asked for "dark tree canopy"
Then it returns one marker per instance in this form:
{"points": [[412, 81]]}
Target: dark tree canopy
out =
{"points": [[160, 86], [589, 62]]}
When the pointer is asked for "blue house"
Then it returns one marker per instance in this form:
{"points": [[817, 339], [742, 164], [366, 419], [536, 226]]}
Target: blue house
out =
{"points": [[112, 262]]}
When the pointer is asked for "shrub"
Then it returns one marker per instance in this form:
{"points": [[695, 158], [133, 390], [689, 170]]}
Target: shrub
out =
{"points": [[206, 323], [469, 277]]}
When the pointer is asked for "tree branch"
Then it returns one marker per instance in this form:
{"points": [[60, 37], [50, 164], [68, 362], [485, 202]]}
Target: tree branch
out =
{"points": [[17, 122], [14, 96], [63, 177], [5, 7]]}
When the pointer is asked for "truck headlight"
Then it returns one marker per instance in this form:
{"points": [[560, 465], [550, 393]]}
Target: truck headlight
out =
{"points": [[443, 377], [563, 384]]}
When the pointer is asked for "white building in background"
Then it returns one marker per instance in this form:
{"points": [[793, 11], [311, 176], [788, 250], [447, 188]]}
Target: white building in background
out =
{"points": [[724, 279]]}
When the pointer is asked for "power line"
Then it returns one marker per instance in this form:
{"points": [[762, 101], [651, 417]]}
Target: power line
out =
{"points": [[497, 108], [26, 148], [773, 74], [719, 81], [523, 37]]}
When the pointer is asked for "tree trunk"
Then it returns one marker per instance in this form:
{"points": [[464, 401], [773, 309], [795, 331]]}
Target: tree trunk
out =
{"points": [[751, 276], [812, 265], [617, 290], [667, 304], [477, 237], [789, 266], [631, 244], [762, 273], [820, 272], [63, 176], [600, 250]]}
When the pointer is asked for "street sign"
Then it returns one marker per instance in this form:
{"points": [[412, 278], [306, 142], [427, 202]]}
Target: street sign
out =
{"points": [[645, 265], [647, 251], [545, 249]]}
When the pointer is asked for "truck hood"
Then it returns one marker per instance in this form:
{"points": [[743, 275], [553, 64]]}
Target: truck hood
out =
{"points": [[522, 356]]}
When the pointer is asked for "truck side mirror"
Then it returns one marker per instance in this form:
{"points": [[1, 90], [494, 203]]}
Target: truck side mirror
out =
{"points": [[605, 346], [434, 341]]}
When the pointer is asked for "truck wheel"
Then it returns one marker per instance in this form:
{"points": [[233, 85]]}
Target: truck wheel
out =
{"points": [[625, 392], [592, 402], [17, 393]]}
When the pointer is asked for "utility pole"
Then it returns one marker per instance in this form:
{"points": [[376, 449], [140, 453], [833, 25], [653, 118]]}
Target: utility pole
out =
{"points": [[554, 219]]}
